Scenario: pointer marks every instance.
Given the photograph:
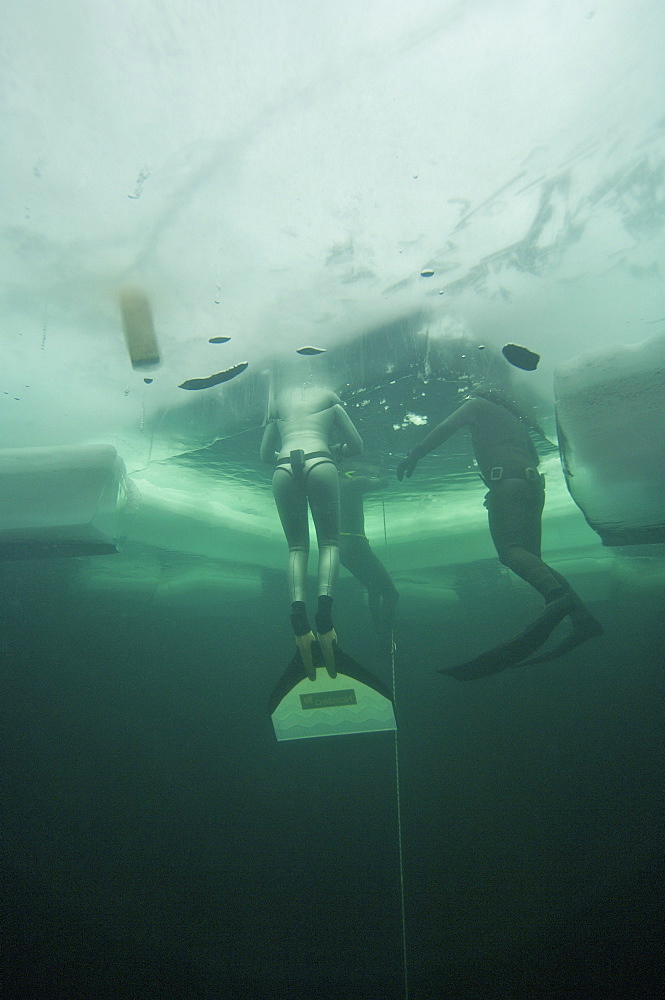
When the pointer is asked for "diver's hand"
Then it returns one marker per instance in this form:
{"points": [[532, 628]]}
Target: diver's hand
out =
{"points": [[406, 467]]}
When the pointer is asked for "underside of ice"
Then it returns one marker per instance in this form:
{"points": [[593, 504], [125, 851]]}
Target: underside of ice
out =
{"points": [[189, 188]]}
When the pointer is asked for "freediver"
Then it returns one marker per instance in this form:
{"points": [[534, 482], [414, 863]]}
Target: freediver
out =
{"points": [[299, 440], [356, 555], [508, 463]]}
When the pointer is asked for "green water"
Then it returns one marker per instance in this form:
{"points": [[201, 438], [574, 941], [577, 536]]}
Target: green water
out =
{"points": [[159, 842]]}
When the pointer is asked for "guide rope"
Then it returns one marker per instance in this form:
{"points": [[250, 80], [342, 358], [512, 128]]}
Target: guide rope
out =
{"points": [[405, 964]]}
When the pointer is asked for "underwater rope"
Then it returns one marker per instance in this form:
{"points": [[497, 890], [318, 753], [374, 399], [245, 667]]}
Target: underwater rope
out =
{"points": [[405, 965]]}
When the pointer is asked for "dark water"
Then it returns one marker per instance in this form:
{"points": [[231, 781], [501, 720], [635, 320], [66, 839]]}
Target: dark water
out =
{"points": [[158, 841]]}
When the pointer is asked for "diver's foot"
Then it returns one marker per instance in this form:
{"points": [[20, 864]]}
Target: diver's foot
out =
{"points": [[327, 642], [510, 653], [304, 644], [323, 616], [583, 630]]}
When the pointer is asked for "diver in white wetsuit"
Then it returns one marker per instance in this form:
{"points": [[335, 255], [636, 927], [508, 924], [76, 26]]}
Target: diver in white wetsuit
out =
{"points": [[307, 430]]}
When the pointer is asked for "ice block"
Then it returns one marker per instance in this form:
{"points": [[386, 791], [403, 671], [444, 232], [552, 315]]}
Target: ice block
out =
{"points": [[64, 501], [610, 408]]}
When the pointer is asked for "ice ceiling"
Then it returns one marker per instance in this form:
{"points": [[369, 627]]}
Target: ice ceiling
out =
{"points": [[282, 172]]}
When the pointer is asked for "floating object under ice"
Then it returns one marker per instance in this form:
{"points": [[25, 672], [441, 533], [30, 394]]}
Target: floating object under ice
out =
{"points": [[219, 340], [206, 383], [521, 357], [427, 272], [148, 381], [308, 351], [139, 329], [355, 701]]}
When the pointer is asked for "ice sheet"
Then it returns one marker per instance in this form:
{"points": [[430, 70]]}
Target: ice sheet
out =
{"points": [[285, 179], [610, 408]]}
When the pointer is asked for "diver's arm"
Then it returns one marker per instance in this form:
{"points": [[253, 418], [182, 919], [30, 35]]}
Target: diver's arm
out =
{"points": [[353, 443], [441, 433], [460, 418], [269, 443]]}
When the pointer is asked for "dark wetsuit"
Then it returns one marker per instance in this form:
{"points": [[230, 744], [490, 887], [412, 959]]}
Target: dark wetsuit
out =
{"points": [[357, 556], [508, 463]]}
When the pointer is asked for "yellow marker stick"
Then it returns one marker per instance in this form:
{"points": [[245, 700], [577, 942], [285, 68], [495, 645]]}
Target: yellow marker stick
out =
{"points": [[139, 329]]}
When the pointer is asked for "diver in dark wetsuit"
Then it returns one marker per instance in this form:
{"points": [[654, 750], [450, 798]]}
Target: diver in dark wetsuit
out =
{"points": [[508, 464], [356, 555], [299, 441]]}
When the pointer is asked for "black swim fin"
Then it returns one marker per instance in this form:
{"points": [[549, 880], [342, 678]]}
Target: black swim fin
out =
{"points": [[345, 664], [510, 653], [582, 632]]}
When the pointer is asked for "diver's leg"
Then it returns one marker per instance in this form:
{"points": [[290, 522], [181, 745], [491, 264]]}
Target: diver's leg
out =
{"points": [[578, 611], [529, 507], [352, 549], [514, 509], [387, 596], [381, 591], [292, 509], [584, 626], [382, 584], [351, 553], [374, 603], [323, 494]]}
